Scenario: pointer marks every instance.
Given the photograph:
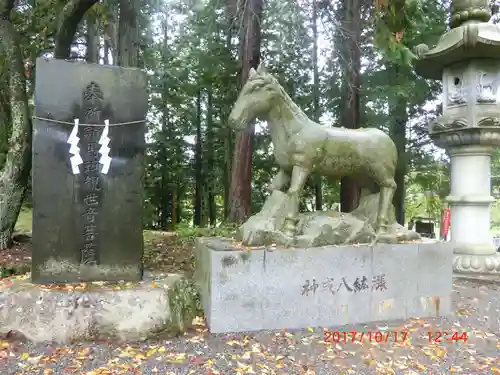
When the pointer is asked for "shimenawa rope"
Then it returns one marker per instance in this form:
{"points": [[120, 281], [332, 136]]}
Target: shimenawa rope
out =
{"points": [[98, 125]]}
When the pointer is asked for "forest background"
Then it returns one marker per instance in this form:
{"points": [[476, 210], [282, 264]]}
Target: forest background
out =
{"points": [[344, 62]]}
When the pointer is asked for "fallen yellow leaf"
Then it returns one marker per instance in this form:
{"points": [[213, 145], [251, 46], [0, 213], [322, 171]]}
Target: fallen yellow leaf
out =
{"points": [[420, 366], [24, 356]]}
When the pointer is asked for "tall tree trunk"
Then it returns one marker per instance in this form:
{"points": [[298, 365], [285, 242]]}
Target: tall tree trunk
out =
{"points": [[227, 136], [110, 35], [178, 206], [114, 34], [316, 111], [93, 44], [5, 113], [173, 213], [71, 16], [399, 118], [106, 52], [198, 166], [16, 170], [167, 194], [241, 175], [210, 167], [350, 35], [128, 34]]}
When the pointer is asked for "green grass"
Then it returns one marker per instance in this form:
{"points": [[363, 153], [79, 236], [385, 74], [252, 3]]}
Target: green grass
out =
{"points": [[23, 224]]}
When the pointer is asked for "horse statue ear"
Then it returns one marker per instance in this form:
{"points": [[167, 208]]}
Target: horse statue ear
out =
{"points": [[251, 73], [261, 68]]}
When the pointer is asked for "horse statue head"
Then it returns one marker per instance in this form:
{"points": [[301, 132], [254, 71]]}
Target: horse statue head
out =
{"points": [[255, 99]]}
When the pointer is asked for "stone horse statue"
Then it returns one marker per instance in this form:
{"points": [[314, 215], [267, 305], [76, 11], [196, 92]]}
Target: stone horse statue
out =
{"points": [[302, 147]]}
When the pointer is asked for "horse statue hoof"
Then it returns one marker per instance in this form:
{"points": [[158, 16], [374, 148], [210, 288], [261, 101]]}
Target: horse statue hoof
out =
{"points": [[286, 240], [384, 237]]}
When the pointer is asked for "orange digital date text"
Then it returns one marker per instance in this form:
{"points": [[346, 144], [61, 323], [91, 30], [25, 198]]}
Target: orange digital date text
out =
{"points": [[336, 337]]}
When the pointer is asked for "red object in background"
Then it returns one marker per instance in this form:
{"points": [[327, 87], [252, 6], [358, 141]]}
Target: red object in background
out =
{"points": [[445, 223]]}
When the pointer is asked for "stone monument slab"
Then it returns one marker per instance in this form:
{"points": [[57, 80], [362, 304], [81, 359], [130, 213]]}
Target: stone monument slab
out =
{"points": [[88, 147], [272, 288]]}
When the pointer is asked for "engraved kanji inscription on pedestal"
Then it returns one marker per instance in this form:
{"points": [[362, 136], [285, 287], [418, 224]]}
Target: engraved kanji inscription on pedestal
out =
{"points": [[88, 226]]}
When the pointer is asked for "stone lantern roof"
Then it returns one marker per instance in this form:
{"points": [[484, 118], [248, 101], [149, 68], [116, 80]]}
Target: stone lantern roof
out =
{"points": [[470, 37]]}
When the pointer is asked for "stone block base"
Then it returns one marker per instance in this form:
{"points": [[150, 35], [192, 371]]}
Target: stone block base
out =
{"points": [[273, 288], [123, 311], [472, 263]]}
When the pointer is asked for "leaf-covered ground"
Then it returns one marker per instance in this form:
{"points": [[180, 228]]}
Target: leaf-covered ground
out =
{"points": [[476, 306]]}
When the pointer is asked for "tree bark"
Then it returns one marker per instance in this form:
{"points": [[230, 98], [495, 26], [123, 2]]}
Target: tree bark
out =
{"points": [[128, 34], [198, 166], [5, 113], [226, 175], [110, 35], [93, 44], [105, 59], [210, 166], [350, 35], [167, 193], [71, 16], [227, 136], [241, 175], [16, 170], [398, 116]]}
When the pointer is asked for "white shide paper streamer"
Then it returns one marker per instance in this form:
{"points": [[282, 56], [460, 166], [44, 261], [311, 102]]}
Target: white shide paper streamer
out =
{"points": [[105, 160], [74, 150]]}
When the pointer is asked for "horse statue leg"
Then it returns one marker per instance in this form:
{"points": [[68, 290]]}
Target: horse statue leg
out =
{"points": [[279, 181], [299, 177], [387, 189]]}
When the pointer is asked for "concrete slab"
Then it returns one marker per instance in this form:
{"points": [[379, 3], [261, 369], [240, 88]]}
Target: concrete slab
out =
{"points": [[249, 289]]}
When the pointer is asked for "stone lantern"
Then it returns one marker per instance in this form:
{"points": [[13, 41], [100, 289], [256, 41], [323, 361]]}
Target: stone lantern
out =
{"points": [[467, 60]]}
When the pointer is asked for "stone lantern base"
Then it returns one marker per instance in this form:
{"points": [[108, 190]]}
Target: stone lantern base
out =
{"points": [[472, 263]]}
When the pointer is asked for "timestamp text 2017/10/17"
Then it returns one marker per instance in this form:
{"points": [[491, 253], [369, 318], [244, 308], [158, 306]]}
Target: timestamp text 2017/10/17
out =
{"points": [[355, 336]]}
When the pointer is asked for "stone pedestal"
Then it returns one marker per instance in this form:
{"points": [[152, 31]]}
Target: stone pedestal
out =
{"points": [[97, 311], [273, 288]]}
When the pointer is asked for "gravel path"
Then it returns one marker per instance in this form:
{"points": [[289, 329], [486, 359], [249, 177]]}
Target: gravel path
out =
{"points": [[476, 306]]}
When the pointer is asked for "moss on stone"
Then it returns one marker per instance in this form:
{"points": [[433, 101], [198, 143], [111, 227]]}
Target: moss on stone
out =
{"points": [[185, 304]]}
